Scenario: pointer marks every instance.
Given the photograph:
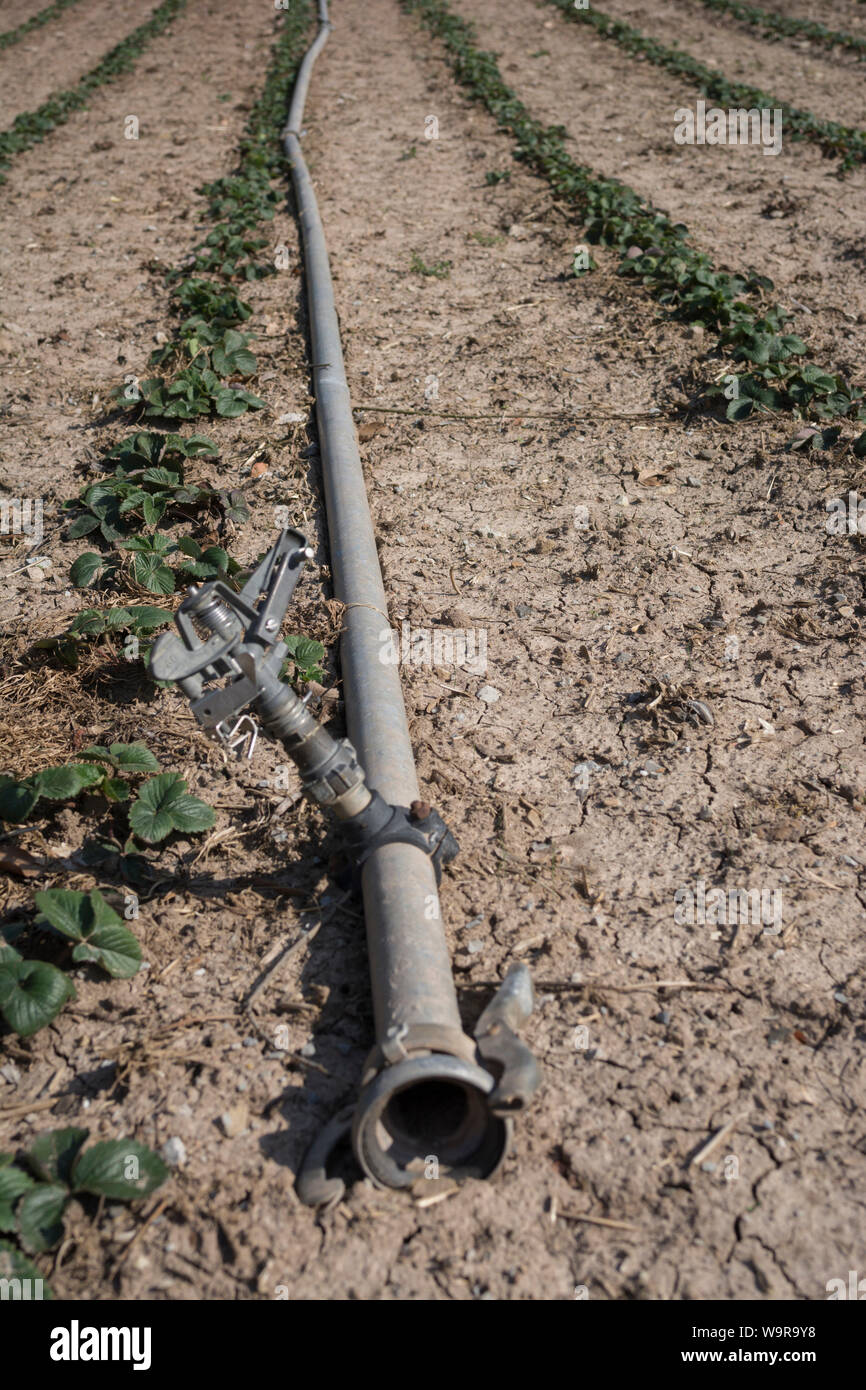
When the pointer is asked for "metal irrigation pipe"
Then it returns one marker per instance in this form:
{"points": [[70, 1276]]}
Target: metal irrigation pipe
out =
{"points": [[430, 1095]]}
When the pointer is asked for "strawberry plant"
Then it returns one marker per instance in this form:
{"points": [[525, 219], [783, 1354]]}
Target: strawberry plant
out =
{"points": [[212, 562], [32, 992], [209, 343], [149, 563], [305, 656], [63, 783], [165, 805], [149, 554], [96, 624], [207, 302], [35, 1189], [195, 391], [92, 923], [147, 481], [146, 487], [228, 252], [66, 781]]}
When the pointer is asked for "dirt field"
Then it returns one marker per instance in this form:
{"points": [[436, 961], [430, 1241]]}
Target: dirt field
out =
{"points": [[673, 638]]}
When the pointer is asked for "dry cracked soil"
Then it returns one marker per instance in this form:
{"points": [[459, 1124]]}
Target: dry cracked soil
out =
{"points": [[667, 696]]}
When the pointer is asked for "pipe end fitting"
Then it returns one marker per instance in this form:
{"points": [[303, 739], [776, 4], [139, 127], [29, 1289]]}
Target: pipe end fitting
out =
{"points": [[429, 1116]]}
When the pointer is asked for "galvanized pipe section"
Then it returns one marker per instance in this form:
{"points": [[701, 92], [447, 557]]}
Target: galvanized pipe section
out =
{"points": [[409, 962]]}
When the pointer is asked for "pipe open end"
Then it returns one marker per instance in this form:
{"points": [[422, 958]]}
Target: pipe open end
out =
{"points": [[428, 1117]]}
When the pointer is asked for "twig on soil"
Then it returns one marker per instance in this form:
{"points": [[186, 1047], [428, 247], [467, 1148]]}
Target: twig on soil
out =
{"points": [[148, 1220], [598, 1221], [11, 1112], [837, 887], [290, 1056], [278, 963], [601, 984], [192, 1019], [713, 1142], [517, 415]]}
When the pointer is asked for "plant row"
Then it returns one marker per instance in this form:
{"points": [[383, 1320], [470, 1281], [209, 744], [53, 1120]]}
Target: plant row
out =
{"points": [[32, 126], [770, 371], [203, 371], [845, 142], [36, 21], [146, 488], [771, 22]]}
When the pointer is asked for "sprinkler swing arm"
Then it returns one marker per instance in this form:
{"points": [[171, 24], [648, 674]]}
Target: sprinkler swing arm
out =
{"points": [[244, 651], [428, 1091]]}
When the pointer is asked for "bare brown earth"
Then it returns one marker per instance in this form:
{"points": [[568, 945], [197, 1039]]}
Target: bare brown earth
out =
{"points": [[622, 546]]}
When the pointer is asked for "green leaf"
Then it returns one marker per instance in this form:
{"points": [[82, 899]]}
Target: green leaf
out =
{"points": [[14, 1266], [115, 789], [31, 994], [17, 799], [146, 617], [152, 574], [305, 652], [82, 526], [740, 408], [114, 948], [196, 444], [243, 361], [134, 757], [52, 1154], [40, 1214], [130, 757], [859, 446], [13, 1182], [121, 1169], [93, 923], [86, 569], [152, 509], [90, 623], [164, 805], [228, 403], [97, 753], [61, 783], [235, 506], [65, 909]]}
